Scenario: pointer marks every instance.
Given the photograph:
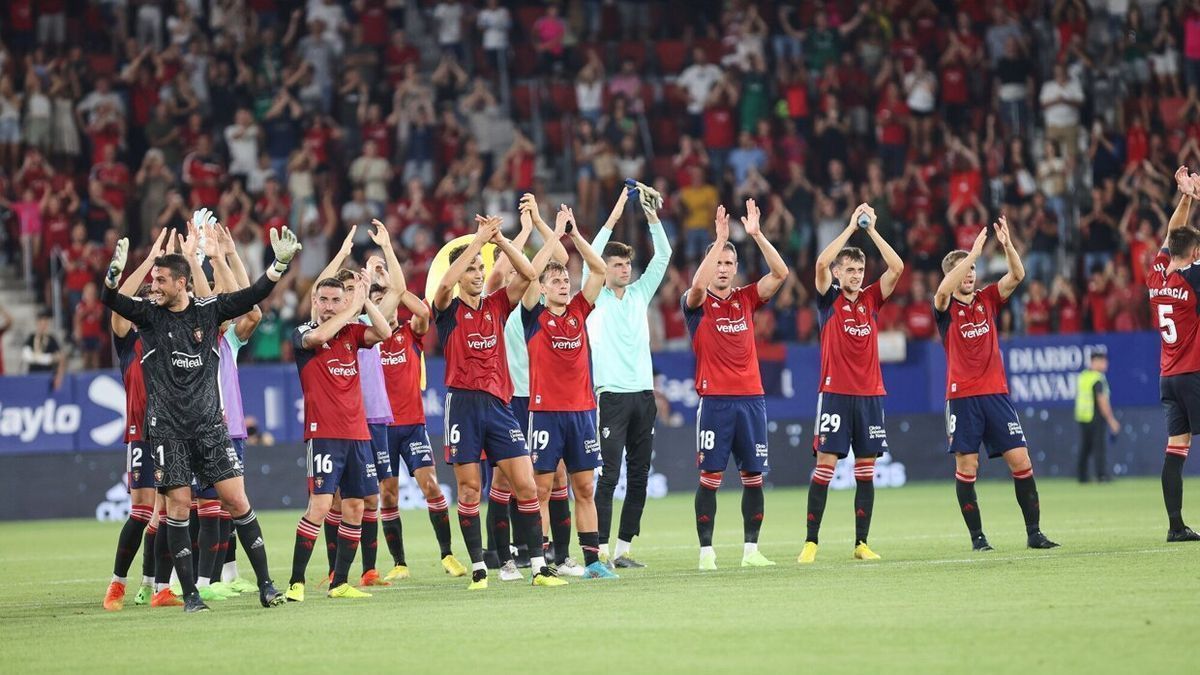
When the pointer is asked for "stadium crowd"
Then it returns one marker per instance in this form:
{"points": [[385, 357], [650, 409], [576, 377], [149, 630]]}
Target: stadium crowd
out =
{"points": [[1069, 116]]}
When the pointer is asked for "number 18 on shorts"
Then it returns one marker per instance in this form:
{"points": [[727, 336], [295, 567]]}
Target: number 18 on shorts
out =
{"points": [[734, 425]]}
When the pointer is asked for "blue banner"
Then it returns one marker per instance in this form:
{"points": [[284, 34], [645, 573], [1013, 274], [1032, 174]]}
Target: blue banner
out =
{"points": [[87, 412]]}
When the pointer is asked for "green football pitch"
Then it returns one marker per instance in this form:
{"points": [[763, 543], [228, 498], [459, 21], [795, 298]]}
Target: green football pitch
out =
{"points": [[1114, 598]]}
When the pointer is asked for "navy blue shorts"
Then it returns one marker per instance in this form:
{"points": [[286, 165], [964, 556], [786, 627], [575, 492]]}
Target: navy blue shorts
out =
{"points": [[520, 408], [379, 448], [848, 423], [409, 444], [209, 491], [988, 420], [141, 466], [569, 437], [734, 425], [475, 420], [1180, 395], [336, 464]]}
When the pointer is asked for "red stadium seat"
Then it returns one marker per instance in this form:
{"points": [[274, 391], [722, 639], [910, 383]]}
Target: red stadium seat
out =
{"points": [[674, 98], [672, 55], [665, 132], [524, 61], [527, 16], [102, 64], [634, 51], [1168, 110], [662, 165], [555, 132], [712, 48], [562, 97], [524, 97]]}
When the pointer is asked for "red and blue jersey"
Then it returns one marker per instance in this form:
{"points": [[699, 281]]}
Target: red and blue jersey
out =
{"points": [[400, 355], [473, 344], [333, 402], [1174, 307], [849, 341], [722, 331], [974, 366], [129, 353], [560, 375]]}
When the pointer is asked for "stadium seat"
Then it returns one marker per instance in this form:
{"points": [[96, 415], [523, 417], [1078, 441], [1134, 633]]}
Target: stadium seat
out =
{"points": [[524, 97], [102, 64], [713, 48], [526, 16], [671, 55], [634, 51], [674, 99], [555, 132], [562, 98], [1168, 110], [524, 61], [664, 129]]}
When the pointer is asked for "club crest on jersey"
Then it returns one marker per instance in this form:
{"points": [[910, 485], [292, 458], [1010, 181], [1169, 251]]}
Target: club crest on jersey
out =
{"points": [[346, 345], [487, 316], [197, 334], [572, 322], [736, 304], [862, 310]]}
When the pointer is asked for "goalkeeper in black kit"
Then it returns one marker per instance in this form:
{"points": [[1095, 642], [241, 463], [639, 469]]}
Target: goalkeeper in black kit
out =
{"points": [[184, 423]]}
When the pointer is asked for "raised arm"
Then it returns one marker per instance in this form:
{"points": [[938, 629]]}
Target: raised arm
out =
{"points": [[605, 233], [445, 289], [559, 253], [133, 309], [1188, 188], [656, 269], [954, 278], [286, 246], [249, 321], [829, 255], [770, 284], [895, 265], [121, 325], [528, 272], [502, 267], [396, 285], [380, 328], [593, 283], [343, 253], [708, 266], [1016, 270]]}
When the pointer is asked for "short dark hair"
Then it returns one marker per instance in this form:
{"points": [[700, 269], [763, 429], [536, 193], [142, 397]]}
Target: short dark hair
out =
{"points": [[552, 266], [457, 251], [851, 253], [616, 249], [376, 288], [176, 264], [1099, 354], [330, 282], [1182, 242], [343, 275], [728, 247], [952, 259]]}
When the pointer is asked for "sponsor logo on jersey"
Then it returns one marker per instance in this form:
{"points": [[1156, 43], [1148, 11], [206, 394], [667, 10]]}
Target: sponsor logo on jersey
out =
{"points": [[1180, 294], [481, 342], [566, 343], [186, 361], [732, 326], [393, 358], [856, 329], [342, 368], [971, 330]]}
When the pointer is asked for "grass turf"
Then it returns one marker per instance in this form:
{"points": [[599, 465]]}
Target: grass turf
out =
{"points": [[1114, 598]]}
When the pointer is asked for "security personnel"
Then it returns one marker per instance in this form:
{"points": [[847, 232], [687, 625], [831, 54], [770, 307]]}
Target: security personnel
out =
{"points": [[1092, 411]]}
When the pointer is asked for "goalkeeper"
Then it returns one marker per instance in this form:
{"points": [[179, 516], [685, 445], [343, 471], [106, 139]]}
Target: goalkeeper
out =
{"points": [[185, 428], [620, 338]]}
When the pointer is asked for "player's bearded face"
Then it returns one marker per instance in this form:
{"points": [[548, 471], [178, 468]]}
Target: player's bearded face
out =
{"points": [[165, 288], [329, 302]]}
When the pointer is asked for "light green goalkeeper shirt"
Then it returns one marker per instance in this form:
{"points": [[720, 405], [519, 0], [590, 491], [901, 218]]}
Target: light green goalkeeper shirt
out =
{"points": [[618, 330]]}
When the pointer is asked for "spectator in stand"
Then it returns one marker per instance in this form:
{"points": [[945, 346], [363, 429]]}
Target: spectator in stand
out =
{"points": [[697, 81], [10, 124], [1038, 313], [1014, 86], [920, 89], [1095, 302], [628, 83], [89, 327], [1067, 312], [495, 22], [39, 112], [1061, 99], [747, 157], [1127, 305], [584, 145], [43, 353], [202, 173], [1098, 231], [448, 22], [242, 138], [549, 36], [1164, 60], [699, 201], [917, 320], [372, 173], [589, 88]]}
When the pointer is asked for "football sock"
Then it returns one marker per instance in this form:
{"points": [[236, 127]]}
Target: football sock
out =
{"points": [[306, 538], [225, 541], [148, 544], [180, 541], [1027, 498], [370, 539], [250, 534], [348, 537], [706, 506], [468, 522], [162, 554], [864, 500], [393, 532], [131, 537], [529, 520], [968, 503], [439, 515], [589, 542], [498, 524], [210, 540], [333, 519], [752, 506], [622, 547], [194, 533], [818, 492], [1172, 484], [560, 524]]}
